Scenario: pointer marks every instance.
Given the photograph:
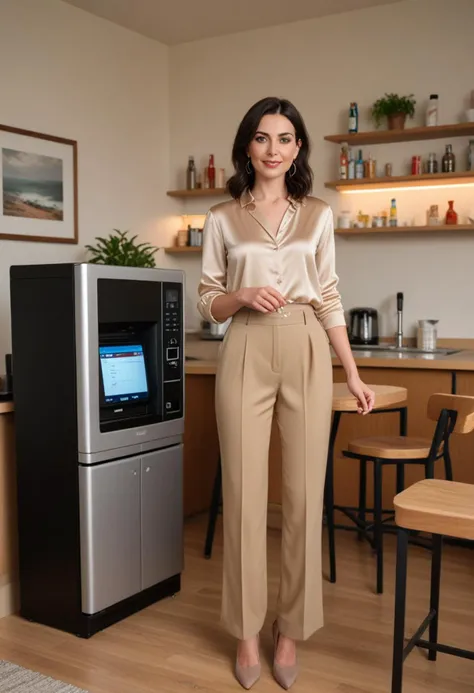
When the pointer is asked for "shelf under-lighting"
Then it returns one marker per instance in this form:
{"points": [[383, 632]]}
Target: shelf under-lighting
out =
{"points": [[426, 180], [434, 228]]}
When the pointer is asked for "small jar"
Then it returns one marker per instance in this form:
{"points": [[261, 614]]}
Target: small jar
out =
{"points": [[182, 238], [344, 220]]}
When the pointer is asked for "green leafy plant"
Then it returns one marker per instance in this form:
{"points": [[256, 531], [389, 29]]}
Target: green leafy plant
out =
{"points": [[393, 105], [118, 249]]}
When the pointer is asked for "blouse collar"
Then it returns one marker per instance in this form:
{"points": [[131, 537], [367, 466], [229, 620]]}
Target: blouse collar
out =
{"points": [[247, 198]]}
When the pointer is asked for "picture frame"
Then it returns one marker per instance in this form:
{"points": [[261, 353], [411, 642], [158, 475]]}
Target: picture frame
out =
{"points": [[38, 187]]}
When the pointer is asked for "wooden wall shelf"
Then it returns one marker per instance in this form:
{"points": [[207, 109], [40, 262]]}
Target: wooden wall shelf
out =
{"points": [[424, 180], [406, 135], [186, 250], [198, 192], [451, 228]]}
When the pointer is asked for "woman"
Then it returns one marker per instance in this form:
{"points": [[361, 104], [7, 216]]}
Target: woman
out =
{"points": [[268, 262]]}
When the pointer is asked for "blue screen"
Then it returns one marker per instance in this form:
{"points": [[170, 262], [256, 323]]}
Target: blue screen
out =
{"points": [[123, 373]]}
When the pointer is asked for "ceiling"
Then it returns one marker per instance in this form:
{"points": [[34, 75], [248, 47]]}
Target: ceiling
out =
{"points": [[179, 21]]}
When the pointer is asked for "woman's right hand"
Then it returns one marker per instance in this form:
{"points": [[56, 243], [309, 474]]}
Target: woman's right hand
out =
{"points": [[264, 299]]}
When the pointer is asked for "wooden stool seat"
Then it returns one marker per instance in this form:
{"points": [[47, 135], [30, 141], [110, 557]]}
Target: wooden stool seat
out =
{"points": [[391, 447], [437, 507]]}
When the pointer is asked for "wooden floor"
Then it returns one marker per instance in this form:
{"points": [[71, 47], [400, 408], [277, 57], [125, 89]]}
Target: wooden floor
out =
{"points": [[178, 645]]}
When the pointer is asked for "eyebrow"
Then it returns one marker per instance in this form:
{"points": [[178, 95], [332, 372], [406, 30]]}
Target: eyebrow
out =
{"points": [[281, 134]]}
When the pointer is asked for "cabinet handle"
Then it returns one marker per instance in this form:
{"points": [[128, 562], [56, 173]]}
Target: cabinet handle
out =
{"points": [[134, 472], [147, 469]]}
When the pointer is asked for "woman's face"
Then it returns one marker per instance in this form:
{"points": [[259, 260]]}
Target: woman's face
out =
{"points": [[274, 147]]}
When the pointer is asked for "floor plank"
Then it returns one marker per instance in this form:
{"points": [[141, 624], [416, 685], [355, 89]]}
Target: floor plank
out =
{"points": [[178, 645]]}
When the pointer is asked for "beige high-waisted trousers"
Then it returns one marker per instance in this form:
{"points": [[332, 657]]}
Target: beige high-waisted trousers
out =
{"points": [[273, 362]]}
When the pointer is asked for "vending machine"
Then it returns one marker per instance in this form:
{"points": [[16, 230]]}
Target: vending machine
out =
{"points": [[98, 389]]}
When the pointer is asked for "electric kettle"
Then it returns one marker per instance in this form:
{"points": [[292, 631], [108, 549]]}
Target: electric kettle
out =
{"points": [[363, 326]]}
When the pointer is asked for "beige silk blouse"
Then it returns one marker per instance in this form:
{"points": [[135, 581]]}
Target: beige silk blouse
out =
{"points": [[299, 262]]}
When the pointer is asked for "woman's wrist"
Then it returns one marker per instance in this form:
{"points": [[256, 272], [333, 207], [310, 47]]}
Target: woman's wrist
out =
{"points": [[237, 295], [351, 372]]}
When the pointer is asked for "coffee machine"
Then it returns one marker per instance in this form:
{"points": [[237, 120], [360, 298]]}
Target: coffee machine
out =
{"points": [[363, 326], [98, 390]]}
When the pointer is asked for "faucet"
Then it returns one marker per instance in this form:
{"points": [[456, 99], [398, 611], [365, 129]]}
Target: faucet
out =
{"points": [[399, 334]]}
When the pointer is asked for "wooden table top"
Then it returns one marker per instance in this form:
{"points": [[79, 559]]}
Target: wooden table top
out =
{"points": [[6, 407], [385, 396]]}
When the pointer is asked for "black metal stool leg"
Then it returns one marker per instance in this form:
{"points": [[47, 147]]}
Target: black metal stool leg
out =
{"points": [[362, 494], [400, 477], [403, 421], [378, 526], [448, 467], [329, 496], [213, 510], [400, 602], [434, 593]]}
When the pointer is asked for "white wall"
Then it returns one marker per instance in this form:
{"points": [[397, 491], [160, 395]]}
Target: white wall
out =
{"points": [[70, 74], [418, 46]]}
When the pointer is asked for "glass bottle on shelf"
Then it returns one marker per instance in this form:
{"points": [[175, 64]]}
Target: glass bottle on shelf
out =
{"points": [[343, 162], [432, 111], [353, 118], [470, 156], [451, 214], [448, 162], [393, 213], [211, 172], [191, 174]]}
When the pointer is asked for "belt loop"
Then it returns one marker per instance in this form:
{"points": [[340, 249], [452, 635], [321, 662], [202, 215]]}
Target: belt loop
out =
{"points": [[305, 317], [248, 316]]}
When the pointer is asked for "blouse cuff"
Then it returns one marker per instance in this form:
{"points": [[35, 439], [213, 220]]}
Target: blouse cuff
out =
{"points": [[336, 319]]}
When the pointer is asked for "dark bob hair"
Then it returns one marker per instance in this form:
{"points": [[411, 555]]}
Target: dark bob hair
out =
{"points": [[300, 184]]}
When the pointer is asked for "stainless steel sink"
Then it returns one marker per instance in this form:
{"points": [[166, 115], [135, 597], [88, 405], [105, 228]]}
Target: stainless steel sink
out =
{"points": [[402, 350]]}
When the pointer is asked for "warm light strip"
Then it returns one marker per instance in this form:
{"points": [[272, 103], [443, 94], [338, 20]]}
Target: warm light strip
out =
{"points": [[410, 187]]}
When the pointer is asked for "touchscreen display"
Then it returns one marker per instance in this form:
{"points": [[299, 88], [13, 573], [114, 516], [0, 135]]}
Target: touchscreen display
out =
{"points": [[123, 373]]}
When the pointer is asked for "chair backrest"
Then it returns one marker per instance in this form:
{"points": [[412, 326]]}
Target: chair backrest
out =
{"points": [[461, 404]]}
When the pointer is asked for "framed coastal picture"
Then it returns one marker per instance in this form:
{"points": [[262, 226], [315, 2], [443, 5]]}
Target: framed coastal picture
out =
{"points": [[38, 187]]}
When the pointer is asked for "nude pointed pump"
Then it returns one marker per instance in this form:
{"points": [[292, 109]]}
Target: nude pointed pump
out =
{"points": [[285, 676], [247, 676]]}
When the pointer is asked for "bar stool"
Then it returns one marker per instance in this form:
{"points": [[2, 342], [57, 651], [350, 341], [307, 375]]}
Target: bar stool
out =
{"points": [[441, 508], [399, 451]]}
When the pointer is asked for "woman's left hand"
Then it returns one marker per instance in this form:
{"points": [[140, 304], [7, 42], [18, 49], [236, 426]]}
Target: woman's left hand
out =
{"points": [[364, 395]]}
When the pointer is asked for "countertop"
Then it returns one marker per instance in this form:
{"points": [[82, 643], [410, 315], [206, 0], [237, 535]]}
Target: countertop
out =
{"points": [[202, 357]]}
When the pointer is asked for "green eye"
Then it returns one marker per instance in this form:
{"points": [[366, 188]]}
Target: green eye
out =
{"points": [[260, 138], [285, 140]]}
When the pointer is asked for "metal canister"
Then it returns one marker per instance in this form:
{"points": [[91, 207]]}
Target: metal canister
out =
{"points": [[416, 165], [432, 166]]}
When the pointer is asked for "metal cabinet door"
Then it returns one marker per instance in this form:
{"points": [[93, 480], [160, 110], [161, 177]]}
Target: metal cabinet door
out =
{"points": [[162, 515], [110, 533]]}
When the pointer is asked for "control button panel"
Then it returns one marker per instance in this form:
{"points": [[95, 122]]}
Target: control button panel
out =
{"points": [[172, 350]]}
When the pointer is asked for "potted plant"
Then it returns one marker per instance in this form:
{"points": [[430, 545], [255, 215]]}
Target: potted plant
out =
{"points": [[395, 108], [118, 249]]}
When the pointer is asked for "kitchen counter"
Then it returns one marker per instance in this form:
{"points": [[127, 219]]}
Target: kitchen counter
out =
{"points": [[421, 375], [202, 358]]}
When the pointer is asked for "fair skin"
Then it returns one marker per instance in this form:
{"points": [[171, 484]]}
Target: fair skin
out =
{"points": [[272, 153]]}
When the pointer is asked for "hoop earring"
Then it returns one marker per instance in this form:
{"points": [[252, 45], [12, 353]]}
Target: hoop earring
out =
{"points": [[248, 166], [292, 171]]}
